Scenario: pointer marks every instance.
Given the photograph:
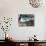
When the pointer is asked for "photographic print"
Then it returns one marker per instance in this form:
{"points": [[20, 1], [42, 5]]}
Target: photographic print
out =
{"points": [[26, 20]]}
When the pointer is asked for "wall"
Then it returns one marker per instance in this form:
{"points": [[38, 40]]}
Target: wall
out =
{"points": [[12, 8]]}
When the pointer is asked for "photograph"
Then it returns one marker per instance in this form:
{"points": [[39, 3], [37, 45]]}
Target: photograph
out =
{"points": [[26, 20]]}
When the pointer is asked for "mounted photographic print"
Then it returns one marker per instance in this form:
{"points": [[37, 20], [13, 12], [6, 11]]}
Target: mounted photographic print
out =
{"points": [[26, 20]]}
